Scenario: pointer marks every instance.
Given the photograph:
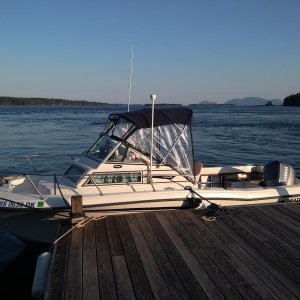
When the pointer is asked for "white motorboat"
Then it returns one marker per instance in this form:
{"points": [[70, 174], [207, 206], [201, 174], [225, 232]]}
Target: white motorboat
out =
{"points": [[125, 172]]}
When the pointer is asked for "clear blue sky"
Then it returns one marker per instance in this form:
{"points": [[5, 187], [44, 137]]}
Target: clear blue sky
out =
{"points": [[184, 51]]}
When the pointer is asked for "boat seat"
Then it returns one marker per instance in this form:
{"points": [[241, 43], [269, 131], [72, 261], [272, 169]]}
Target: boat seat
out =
{"points": [[244, 185]]}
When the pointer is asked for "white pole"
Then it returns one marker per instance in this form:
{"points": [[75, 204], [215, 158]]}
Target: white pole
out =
{"points": [[152, 97], [129, 91]]}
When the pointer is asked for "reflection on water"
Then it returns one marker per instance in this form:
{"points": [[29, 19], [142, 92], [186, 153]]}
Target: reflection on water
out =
{"points": [[10, 247]]}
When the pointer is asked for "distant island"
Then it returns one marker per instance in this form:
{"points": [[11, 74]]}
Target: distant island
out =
{"points": [[269, 103], [205, 102], [292, 100], [163, 105], [254, 101], [20, 101], [244, 101]]}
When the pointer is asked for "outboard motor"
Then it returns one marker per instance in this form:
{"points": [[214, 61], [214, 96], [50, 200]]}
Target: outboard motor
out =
{"points": [[277, 173]]}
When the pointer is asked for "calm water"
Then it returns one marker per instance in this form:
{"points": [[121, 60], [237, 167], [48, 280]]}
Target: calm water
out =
{"points": [[222, 135]]}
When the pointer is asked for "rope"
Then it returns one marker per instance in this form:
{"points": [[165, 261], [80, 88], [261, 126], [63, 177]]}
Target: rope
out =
{"points": [[208, 219], [80, 224], [190, 189], [213, 210]]}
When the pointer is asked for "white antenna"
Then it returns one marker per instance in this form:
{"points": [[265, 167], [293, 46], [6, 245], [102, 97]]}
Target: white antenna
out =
{"points": [[152, 97], [129, 91]]}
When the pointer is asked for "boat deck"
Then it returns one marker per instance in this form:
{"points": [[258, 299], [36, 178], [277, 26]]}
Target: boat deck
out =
{"points": [[246, 253]]}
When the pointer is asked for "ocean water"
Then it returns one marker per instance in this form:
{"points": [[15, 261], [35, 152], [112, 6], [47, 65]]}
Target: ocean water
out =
{"points": [[222, 134]]}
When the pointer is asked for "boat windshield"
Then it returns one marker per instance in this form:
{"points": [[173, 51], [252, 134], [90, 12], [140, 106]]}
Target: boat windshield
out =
{"points": [[102, 148], [112, 151]]}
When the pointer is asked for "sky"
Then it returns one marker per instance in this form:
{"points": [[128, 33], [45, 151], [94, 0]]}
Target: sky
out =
{"points": [[184, 51]]}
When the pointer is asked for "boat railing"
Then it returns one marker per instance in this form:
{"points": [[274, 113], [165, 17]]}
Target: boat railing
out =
{"points": [[34, 186], [95, 183], [29, 158], [56, 184], [37, 169], [38, 163]]}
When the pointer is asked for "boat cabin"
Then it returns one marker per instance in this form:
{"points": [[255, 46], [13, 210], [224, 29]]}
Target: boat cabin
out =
{"points": [[121, 155]]}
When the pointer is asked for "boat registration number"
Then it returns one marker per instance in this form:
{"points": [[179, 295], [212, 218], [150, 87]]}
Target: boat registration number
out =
{"points": [[4, 203], [292, 199]]}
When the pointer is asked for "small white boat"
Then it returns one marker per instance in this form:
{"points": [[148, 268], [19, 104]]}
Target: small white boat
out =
{"points": [[118, 174]]}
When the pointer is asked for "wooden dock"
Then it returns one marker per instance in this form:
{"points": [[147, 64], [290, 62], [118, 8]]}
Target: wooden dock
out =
{"points": [[249, 253]]}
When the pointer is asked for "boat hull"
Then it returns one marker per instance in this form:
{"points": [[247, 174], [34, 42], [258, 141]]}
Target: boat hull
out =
{"points": [[41, 224], [29, 225]]}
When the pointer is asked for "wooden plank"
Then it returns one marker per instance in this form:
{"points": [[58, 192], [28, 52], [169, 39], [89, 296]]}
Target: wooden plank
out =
{"points": [[277, 257], [272, 225], [268, 259], [235, 268], [291, 212], [225, 276], [234, 257], [266, 237], [73, 288], [264, 283], [188, 280], [114, 241], [285, 213], [294, 206], [90, 285], [198, 271], [277, 217], [58, 270], [283, 217], [281, 245], [174, 284], [249, 256], [122, 278], [155, 278], [107, 287], [138, 277]]}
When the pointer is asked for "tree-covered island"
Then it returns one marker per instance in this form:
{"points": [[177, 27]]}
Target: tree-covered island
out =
{"points": [[292, 100], [20, 101]]}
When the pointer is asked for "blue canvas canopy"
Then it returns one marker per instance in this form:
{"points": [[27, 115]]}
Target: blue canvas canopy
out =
{"points": [[162, 116]]}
